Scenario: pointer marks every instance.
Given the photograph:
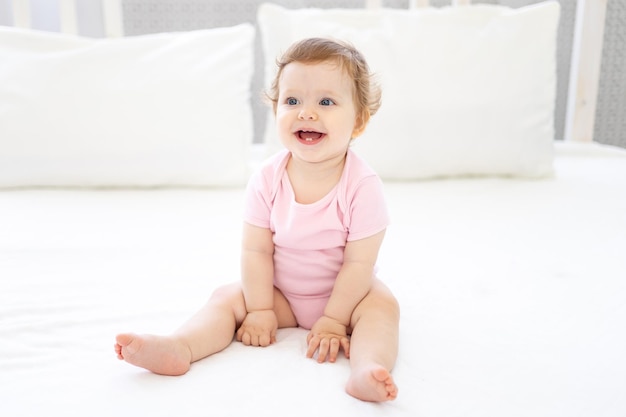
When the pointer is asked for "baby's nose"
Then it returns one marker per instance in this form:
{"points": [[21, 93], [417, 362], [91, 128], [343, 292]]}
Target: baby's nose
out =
{"points": [[307, 114]]}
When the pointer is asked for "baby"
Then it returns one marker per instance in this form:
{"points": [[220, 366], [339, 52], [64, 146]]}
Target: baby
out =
{"points": [[315, 217]]}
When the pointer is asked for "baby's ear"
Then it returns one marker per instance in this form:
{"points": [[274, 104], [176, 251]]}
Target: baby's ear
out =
{"points": [[361, 123]]}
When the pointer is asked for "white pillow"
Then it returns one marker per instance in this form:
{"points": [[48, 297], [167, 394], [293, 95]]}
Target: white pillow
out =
{"points": [[166, 109], [466, 90]]}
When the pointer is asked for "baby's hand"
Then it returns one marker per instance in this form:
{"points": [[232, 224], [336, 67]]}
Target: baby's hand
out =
{"points": [[327, 336], [258, 328]]}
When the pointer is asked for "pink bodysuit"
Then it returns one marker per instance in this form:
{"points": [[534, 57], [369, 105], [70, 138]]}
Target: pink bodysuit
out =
{"points": [[309, 239]]}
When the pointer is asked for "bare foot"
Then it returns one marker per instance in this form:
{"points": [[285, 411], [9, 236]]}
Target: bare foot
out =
{"points": [[373, 383], [159, 354]]}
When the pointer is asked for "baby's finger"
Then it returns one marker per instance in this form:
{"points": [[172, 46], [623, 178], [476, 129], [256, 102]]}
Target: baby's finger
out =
{"points": [[345, 344], [334, 349], [264, 340], [245, 338], [314, 343], [323, 350]]}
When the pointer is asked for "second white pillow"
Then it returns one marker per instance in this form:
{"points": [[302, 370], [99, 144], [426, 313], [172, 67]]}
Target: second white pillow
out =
{"points": [[467, 91]]}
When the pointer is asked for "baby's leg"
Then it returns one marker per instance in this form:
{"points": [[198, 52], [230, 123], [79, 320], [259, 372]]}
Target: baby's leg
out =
{"points": [[374, 346], [210, 330]]}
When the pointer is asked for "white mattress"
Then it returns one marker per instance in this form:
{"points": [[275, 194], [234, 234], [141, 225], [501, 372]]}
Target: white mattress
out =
{"points": [[513, 297]]}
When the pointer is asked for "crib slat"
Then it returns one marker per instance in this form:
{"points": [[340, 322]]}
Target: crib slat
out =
{"points": [[21, 14], [113, 20], [585, 70], [68, 17], [418, 4], [373, 4]]}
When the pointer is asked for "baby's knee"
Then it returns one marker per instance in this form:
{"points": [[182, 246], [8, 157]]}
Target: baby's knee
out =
{"points": [[383, 298], [229, 294], [388, 303], [381, 303]]}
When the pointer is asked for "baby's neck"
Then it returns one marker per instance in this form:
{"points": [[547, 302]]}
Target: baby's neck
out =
{"points": [[311, 182]]}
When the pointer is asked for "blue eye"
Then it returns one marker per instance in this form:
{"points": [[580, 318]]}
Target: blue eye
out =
{"points": [[292, 101], [326, 102]]}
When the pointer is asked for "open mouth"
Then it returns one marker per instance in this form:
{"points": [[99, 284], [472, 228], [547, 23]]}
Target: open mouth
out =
{"points": [[309, 136]]}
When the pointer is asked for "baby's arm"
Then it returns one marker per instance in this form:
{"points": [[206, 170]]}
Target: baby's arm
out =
{"points": [[352, 285], [257, 269]]}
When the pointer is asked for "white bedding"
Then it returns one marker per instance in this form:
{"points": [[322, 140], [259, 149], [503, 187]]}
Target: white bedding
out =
{"points": [[513, 296]]}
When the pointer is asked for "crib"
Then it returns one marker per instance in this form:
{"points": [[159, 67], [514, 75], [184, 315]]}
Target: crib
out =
{"points": [[123, 162]]}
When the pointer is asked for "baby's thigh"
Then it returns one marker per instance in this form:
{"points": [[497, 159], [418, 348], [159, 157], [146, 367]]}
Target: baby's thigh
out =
{"points": [[283, 311]]}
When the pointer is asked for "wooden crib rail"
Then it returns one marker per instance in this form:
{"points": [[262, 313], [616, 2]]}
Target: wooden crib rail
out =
{"points": [[582, 96]]}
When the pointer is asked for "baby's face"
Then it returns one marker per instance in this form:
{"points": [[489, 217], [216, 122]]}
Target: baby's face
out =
{"points": [[315, 114]]}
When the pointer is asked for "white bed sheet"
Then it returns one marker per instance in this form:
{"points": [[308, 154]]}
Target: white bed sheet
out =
{"points": [[513, 297]]}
